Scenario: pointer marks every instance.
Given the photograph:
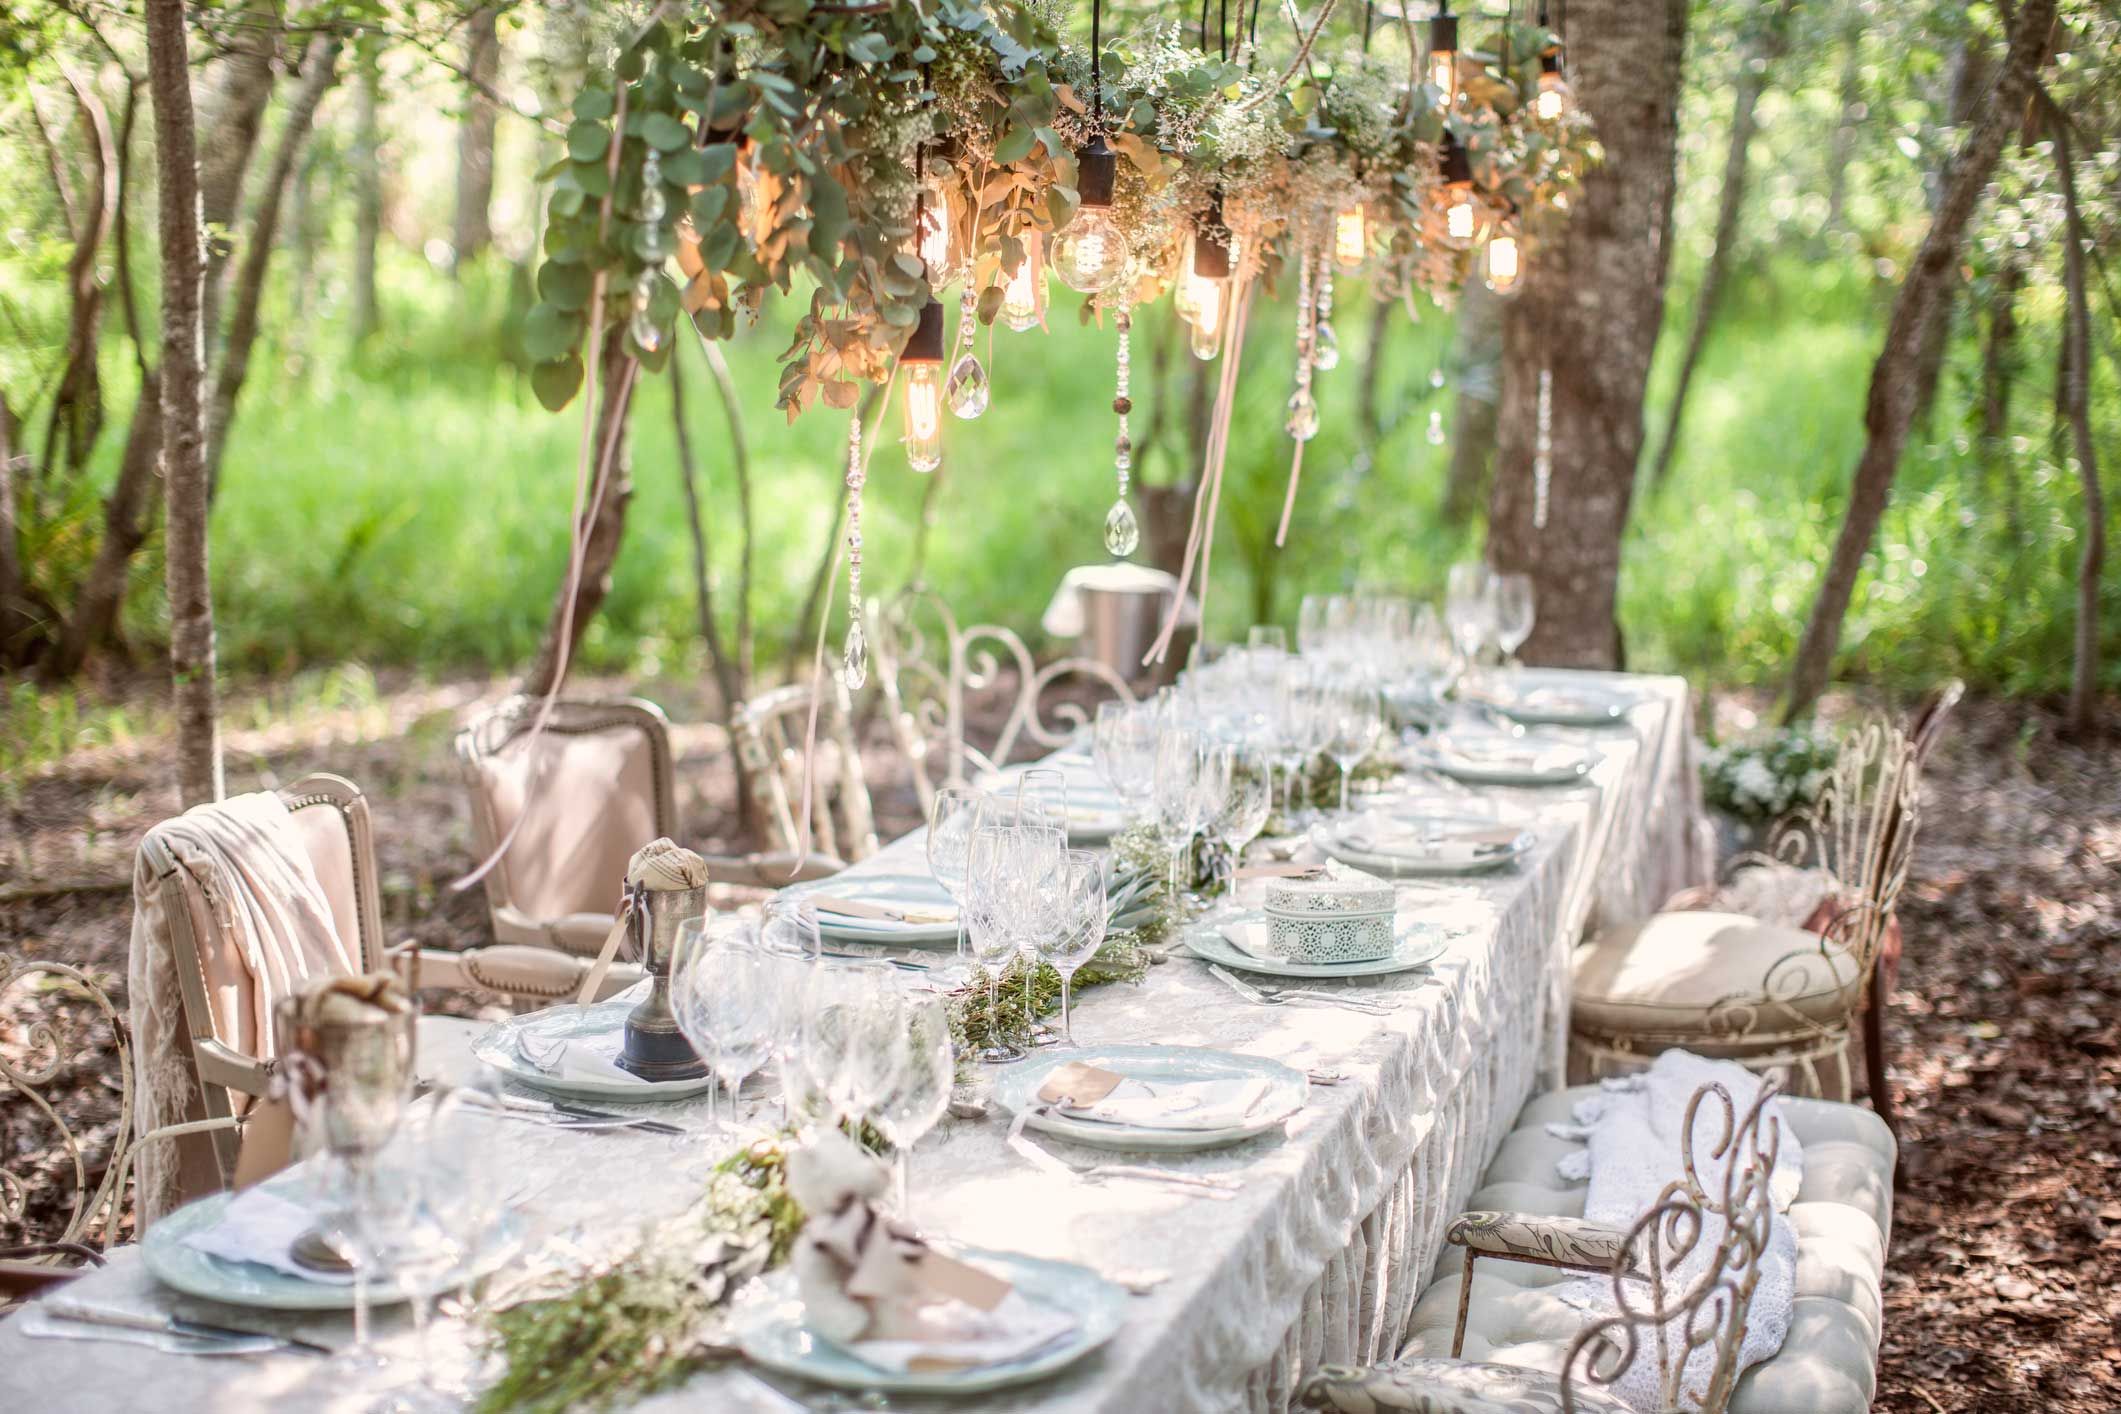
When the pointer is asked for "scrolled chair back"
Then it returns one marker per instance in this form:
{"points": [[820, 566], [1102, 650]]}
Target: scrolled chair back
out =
{"points": [[573, 802], [770, 733]]}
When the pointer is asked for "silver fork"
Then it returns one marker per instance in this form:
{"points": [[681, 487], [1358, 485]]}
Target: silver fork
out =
{"points": [[1284, 996], [1206, 1185]]}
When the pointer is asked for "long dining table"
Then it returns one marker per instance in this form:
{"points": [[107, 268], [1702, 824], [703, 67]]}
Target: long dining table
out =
{"points": [[1318, 1258]]}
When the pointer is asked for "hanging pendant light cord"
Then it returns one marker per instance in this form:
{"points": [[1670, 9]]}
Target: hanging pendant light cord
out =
{"points": [[1097, 59]]}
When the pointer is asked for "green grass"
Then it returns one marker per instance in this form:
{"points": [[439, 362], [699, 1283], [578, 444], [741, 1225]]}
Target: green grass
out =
{"points": [[408, 506]]}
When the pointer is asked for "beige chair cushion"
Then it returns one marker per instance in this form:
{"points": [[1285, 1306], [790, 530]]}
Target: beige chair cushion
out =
{"points": [[1448, 1387], [595, 805], [1842, 1218], [1668, 973]]}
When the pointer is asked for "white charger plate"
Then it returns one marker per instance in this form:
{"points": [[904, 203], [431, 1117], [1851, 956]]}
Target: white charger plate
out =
{"points": [[1016, 1089], [1557, 704], [771, 1332], [177, 1264], [1498, 760], [500, 1047], [891, 890], [1443, 858], [1419, 945]]}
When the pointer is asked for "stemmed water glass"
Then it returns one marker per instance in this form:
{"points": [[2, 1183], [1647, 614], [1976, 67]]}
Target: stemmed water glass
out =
{"points": [[1042, 798], [1513, 610], [951, 821], [1180, 802], [1245, 807], [787, 970], [1123, 747], [1469, 609], [1357, 717], [1079, 928], [725, 1003], [789, 923], [917, 1102], [854, 1034]]}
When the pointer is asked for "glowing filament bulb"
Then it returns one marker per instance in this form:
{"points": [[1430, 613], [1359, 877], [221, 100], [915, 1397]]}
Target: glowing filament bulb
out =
{"points": [[1548, 105], [1504, 264], [924, 416], [1458, 214], [934, 247], [1090, 256], [1443, 71], [1205, 297], [1351, 237], [1024, 297]]}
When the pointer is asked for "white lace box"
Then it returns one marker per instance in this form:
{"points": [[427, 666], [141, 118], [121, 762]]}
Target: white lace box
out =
{"points": [[1339, 915]]}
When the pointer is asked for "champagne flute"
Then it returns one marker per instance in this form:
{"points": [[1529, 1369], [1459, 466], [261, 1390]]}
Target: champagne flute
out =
{"points": [[1245, 808], [916, 1104], [1513, 610], [1123, 747], [1357, 718], [1080, 927], [951, 820], [1042, 798], [1468, 609]]}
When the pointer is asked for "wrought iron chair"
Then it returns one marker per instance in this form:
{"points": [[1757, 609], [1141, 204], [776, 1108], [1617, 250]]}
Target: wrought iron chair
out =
{"points": [[1778, 993], [927, 665], [1684, 1276], [769, 733]]}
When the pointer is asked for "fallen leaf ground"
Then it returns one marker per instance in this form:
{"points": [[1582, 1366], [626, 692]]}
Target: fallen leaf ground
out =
{"points": [[2004, 1037]]}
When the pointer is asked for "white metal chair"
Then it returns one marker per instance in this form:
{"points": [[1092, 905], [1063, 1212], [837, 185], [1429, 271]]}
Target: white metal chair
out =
{"points": [[769, 733]]}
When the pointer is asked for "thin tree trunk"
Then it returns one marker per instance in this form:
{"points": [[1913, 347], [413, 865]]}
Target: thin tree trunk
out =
{"points": [[102, 593], [77, 403], [607, 520], [191, 605], [368, 204], [2074, 396], [1476, 357], [1589, 319], [1891, 405], [1843, 147], [320, 70], [1999, 372], [18, 622], [740, 462], [1969, 81], [1753, 68], [232, 113], [473, 228], [1367, 415]]}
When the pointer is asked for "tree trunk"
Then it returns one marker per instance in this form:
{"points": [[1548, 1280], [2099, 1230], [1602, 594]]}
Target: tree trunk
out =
{"points": [[1476, 359], [102, 594], [368, 203], [320, 70], [1367, 415], [473, 229], [1852, 115], [191, 605], [231, 113], [1891, 405], [1999, 372], [1589, 318], [1753, 66], [1969, 81], [606, 520], [77, 403], [2074, 396], [18, 622]]}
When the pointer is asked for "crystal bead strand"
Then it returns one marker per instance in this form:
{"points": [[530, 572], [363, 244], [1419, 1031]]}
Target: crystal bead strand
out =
{"points": [[1302, 423], [651, 210], [1122, 531], [1325, 344], [1543, 450], [966, 389], [854, 662]]}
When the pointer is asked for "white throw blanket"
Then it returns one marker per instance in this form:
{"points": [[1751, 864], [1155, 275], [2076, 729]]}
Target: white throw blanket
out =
{"points": [[263, 894], [1634, 1134]]}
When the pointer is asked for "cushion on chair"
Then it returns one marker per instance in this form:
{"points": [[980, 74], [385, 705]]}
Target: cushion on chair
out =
{"points": [[1841, 1217], [1667, 972], [1423, 1386], [594, 806]]}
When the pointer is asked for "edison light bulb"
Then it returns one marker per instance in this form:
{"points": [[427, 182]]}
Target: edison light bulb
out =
{"points": [[935, 223], [1206, 320], [1458, 214], [1443, 71], [1090, 256], [1024, 297], [924, 416], [1503, 263], [1351, 236], [1553, 96]]}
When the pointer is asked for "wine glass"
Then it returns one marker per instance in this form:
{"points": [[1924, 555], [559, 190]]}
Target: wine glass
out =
{"points": [[1212, 781], [1357, 717], [1468, 609], [1079, 930], [1123, 747], [1178, 795], [787, 967], [741, 1009], [916, 1104], [1513, 610], [1271, 638], [789, 922], [1245, 807], [951, 820], [1044, 847], [854, 1034], [1042, 798]]}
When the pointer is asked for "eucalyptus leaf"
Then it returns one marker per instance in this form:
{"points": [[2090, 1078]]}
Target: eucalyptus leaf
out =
{"points": [[557, 381], [1015, 146], [550, 333], [564, 286], [588, 141], [663, 132]]}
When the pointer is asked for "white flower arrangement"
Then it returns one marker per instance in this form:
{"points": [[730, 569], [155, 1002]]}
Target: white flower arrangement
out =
{"points": [[1768, 775]]}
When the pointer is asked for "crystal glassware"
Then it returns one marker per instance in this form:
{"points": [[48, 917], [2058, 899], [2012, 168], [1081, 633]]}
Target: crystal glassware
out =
{"points": [[1079, 929], [952, 818], [854, 1034], [1246, 806], [917, 1102], [1514, 610], [1357, 718]]}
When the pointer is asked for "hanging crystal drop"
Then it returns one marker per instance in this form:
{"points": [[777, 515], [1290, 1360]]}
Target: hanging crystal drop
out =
{"points": [[1123, 533], [646, 332], [1436, 376], [1303, 415], [854, 661], [1325, 349], [966, 389], [1436, 435]]}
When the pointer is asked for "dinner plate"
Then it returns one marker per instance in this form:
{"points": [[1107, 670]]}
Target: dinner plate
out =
{"points": [[501, 1046], [1095, 814], [1016, 1089], [772, 1334], [891, 890], [1419, 945], [1410, 855], [1557, 704], [177, 1264], [1495, 759]]}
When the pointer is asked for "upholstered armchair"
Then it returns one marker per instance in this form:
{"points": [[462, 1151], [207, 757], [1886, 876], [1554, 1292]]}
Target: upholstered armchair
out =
{"points": [[1509, 1339], [1774, 967]]}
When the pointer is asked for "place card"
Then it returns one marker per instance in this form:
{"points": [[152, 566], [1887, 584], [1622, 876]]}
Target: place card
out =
{"points": [[1078, 1085]]}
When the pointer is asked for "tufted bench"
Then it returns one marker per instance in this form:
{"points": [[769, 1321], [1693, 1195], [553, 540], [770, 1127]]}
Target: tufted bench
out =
{"points": [[1842, 1218]]}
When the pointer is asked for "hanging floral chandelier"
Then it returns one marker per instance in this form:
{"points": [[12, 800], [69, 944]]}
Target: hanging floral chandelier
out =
{"points": [[867, 157]]}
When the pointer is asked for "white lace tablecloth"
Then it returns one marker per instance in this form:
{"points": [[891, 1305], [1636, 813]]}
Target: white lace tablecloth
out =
{"points": [[1319, 1258]]}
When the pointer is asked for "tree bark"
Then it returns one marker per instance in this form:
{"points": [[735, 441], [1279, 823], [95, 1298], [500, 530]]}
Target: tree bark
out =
{"points": [[1476, 362], [18, 622], [473, 228], [606, 520], [2074, 395], [102, 594], [232, 112], [1589, 316], [191, 605], [320, 70], [1891, 404], [1999, 373], [1367, 415], [77, 403], [1843, 146], [368, 204], [1754, 63]]}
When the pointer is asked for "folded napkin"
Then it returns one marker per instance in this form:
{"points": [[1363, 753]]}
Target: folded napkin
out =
{"points": [[1251, 937], [883, 912], [873, 1285], [593, 1055], [1081, 1091], [259, 1226]]}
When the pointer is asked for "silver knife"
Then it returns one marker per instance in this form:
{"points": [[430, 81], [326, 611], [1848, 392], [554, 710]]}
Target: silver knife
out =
{"points": [[172, 1325]]}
